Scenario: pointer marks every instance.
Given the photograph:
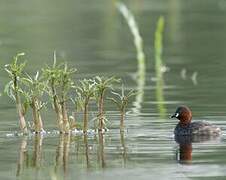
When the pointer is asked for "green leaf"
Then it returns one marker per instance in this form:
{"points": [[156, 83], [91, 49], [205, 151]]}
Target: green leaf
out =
{"points": [[25, 107], [9, 90]]}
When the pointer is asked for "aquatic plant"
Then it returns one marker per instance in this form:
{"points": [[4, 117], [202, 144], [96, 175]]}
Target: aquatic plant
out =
{"points": [[85, 92], [121, 101], [138, 42], [56, 80], [141, 58], [35, 90], [13, 89], [102, 84], [159, 67], [77, 100], [66, 84], [59, 86], [52, 74]]}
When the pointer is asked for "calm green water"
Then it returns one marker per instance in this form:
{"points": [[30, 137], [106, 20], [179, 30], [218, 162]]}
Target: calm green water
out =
{"points": [[93, 36]]}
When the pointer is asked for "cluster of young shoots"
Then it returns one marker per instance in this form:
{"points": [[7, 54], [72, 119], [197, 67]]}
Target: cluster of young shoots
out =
{"points": [[14, 91], [121, 101], [59, 84], [56, 81]]}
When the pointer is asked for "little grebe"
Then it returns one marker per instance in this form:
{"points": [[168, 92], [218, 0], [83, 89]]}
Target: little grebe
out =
{"points": [[185, 127]]}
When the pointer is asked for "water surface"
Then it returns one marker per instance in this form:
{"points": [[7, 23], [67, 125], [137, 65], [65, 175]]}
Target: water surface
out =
{"points": [[94, 37]]}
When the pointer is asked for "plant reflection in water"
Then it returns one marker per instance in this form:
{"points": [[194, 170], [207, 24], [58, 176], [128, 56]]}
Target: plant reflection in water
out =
{"points": [[89, 153], [124, 152], [24, 159], [62, 153], [23, 155]]}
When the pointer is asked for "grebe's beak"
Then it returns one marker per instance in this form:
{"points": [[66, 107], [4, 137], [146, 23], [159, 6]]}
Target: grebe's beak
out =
{"points": [[175, 115]]}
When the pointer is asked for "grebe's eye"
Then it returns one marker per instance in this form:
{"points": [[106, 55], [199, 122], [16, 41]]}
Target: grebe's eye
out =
{"points": [[176, 115]]}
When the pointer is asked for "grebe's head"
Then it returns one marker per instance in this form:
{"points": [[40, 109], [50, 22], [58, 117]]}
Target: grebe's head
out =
{"points": [[183, 113]]}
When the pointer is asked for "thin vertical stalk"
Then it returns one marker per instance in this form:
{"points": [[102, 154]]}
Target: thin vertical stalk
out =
{"points": [[40, 121], [158, 43], [122, 118], [66, 125], [22, 122], [57, 106], [101, 112], [141, 58], [85, 116], [35, 115], [38, 124]]}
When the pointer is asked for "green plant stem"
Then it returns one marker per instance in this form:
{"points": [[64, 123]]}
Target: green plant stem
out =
{"points": [[122, 118], [40, 121], [158, 44], [35, 116], [58, 113], [66, 125], [57, 107], [85, 116], [141, 58], [22, 122], [38, 124], [101, 111]]}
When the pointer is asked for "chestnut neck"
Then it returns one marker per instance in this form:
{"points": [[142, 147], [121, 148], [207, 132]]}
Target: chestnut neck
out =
{"points": [[185, 122], [185, 118]]}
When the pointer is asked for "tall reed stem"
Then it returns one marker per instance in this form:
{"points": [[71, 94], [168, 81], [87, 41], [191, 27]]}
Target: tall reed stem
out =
{"points": [[141, 58]]}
